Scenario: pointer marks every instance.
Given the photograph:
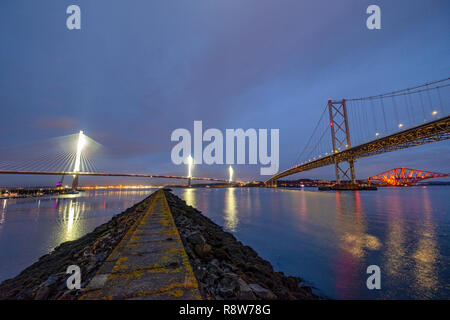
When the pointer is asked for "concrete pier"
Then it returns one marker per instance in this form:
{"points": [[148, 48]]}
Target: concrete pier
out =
{"points": [[150, 262]]}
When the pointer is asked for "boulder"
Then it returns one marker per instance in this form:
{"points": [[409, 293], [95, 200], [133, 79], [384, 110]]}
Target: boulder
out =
{"points": [[261, 292], [196, 238], [245, 292]]}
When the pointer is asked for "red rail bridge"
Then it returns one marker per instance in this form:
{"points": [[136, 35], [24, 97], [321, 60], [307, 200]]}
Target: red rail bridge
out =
{"points": [[406, 176]]}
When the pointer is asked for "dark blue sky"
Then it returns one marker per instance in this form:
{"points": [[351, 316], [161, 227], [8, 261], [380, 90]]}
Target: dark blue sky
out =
{"points": [[140, 69]]}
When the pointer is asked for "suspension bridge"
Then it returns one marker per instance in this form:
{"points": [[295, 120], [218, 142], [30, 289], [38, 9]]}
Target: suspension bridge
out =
{"points": [[364, 127]]}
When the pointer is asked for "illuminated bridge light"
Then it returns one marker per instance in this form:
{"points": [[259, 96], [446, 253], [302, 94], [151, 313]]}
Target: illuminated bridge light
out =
{"points": [[80, 145], [190, 163], [377, 134], [400, 125], [230, 170], [434, 113]]}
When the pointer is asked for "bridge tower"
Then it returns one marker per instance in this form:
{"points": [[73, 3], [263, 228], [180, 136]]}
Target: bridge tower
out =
{"points": [[340, 137], [80, 145]]}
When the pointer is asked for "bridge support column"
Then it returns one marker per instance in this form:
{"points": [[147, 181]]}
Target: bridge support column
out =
{"points": [[351, 164], [189, 182], [75, 182], [336, 171], [340, 138]]}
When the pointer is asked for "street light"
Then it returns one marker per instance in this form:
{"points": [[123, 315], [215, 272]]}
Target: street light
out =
{"points": [[434, 113]]}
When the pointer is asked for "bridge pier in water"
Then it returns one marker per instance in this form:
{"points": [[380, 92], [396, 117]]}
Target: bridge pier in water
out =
{"points": [[340, 137], [75, 182]]}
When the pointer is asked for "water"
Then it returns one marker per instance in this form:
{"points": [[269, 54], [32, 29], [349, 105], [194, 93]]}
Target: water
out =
{"points": [[30, 228], [326, 238], [330, 238]]}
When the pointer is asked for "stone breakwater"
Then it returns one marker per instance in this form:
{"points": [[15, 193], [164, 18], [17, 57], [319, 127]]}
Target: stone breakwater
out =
{"points": [[223, 266], [46, 279]]}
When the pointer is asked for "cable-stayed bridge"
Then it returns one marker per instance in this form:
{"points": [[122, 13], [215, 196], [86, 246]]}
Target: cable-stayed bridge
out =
{"points": [[351, 129], [103, 174], [72, 156]]}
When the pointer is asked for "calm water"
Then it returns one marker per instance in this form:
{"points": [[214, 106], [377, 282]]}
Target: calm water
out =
{"points": [[327, 238], [30, 228], [330, 238]]}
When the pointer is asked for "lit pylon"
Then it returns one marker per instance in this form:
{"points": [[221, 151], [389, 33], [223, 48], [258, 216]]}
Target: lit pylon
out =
{"points": [[80, 145], [190, 163], [230, 170]]}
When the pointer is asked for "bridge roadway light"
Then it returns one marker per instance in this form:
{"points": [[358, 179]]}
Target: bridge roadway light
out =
{"points": [[434, 113], [400, 125], [377, 134], [230, 170]]}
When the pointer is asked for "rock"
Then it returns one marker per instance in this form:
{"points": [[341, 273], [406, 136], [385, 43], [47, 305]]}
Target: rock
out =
{"points": [[222, 254], [51, 280], [201, 274], [245, 292], [67, 295], [226, 292], [228, 267], [100, 257], [261, 292], [42, 293], [196, 238], [228, 285], [44, 290], [291, 283], [202, 250], [214, 270], [215, 262]]}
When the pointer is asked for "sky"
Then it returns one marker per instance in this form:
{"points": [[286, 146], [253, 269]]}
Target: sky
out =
{"points": [[137, 70]]}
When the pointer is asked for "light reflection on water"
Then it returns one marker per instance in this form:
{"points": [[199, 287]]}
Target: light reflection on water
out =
{"points": [[30, 228], [325, 237], [331, 238]]}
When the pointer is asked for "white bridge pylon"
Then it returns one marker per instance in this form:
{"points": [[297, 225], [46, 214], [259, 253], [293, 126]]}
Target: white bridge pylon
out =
{"points": [[81, 142]]}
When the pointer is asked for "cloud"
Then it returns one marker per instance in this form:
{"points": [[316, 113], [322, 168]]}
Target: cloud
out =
{"points": [[56, 123]]}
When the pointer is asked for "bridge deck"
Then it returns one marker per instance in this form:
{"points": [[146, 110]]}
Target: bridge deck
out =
{"points": [[104, 174], [149, 263]]}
